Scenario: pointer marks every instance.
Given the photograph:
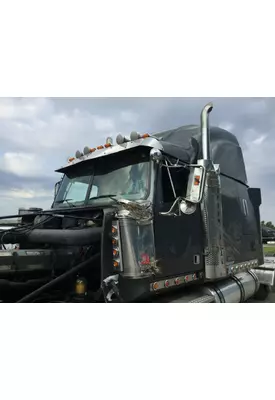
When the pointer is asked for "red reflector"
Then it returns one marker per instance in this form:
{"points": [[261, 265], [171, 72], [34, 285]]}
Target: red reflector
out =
{"points": [[177, 281], [186, 278], [166, 283], [145, 259]]}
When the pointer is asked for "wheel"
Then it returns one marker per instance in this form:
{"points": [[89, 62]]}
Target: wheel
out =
{"points": [[262, 293]]}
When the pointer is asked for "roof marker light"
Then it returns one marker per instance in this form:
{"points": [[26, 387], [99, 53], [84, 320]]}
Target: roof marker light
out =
{"points": [[100, 147], [78, 154], [121, 139], [135, 136], [87, 150], [71, 159]]}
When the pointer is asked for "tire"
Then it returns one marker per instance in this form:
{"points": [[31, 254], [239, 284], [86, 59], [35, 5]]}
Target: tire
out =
{"points": [[262, 293]]}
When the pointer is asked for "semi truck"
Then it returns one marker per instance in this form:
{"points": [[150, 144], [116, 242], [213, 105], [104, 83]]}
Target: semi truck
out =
{"points": [[268, 234], [161, 217]]}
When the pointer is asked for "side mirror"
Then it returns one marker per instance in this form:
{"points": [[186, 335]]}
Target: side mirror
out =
{"points": [[196, 184], [56, 188], [194, 194]]}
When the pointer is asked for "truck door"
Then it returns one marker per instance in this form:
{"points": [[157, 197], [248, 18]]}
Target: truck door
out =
{"points": [[178, 240]]}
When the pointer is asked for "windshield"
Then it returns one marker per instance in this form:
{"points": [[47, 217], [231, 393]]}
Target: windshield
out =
{"points": [[106, 178]]}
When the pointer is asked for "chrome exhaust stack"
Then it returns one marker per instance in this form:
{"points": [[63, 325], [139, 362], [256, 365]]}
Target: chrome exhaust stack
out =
{"points": [[205, 131], [211, 207]]}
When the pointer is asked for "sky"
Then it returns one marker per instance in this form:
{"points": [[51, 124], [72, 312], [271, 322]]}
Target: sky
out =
{"points": [[39, 134]]}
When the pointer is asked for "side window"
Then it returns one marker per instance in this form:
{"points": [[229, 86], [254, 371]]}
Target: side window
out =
{"points": [[180, 180]]}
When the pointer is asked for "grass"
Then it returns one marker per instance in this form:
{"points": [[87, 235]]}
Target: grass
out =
{"points": [[269, 250]]}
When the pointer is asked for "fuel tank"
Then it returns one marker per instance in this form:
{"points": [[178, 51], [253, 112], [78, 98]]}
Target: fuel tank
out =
{"points": [[236, 289]]}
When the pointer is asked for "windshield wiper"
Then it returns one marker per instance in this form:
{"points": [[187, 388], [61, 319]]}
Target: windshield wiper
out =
{"points": [[67, 201], [111, 196]]}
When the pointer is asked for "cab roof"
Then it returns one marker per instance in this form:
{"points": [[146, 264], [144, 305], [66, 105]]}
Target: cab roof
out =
{"points": [[184, 143]]}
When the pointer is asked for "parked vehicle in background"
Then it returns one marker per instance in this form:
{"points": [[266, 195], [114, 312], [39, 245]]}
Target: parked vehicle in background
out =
{"points": [[268, 234]]}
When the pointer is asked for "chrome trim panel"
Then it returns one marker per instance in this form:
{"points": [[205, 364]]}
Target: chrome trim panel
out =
{"points": [[115, 224], [131, 232], [245, 267], [147, 142], [175, 281], [211, 207]]}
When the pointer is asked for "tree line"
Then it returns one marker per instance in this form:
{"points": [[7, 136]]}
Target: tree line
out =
{"points": [[268, 224]]}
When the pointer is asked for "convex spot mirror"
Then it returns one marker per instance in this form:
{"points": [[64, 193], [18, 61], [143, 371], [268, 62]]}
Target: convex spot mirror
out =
{"points": [[156, 155]]}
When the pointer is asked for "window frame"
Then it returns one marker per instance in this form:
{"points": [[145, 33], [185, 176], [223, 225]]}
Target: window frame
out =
{"points": [[181, 167]]}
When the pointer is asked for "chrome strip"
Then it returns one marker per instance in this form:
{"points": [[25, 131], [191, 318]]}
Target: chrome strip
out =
{"points": [[148, 142], [185, 279]]}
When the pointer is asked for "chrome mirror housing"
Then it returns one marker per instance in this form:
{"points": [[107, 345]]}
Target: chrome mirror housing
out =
{"points": [[156, 155]]}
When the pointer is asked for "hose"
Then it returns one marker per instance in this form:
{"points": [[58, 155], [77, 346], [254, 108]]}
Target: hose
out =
{"points": [[67, 237]]}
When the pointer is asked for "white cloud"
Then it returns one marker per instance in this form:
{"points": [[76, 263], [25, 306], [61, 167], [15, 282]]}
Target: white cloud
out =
{"points": [[34, 125], [258, 106], [22, 164], [227, 126], [29, 108], [260, 139], [129, 117], [103, 124], [16, 193], [13, 199]]}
